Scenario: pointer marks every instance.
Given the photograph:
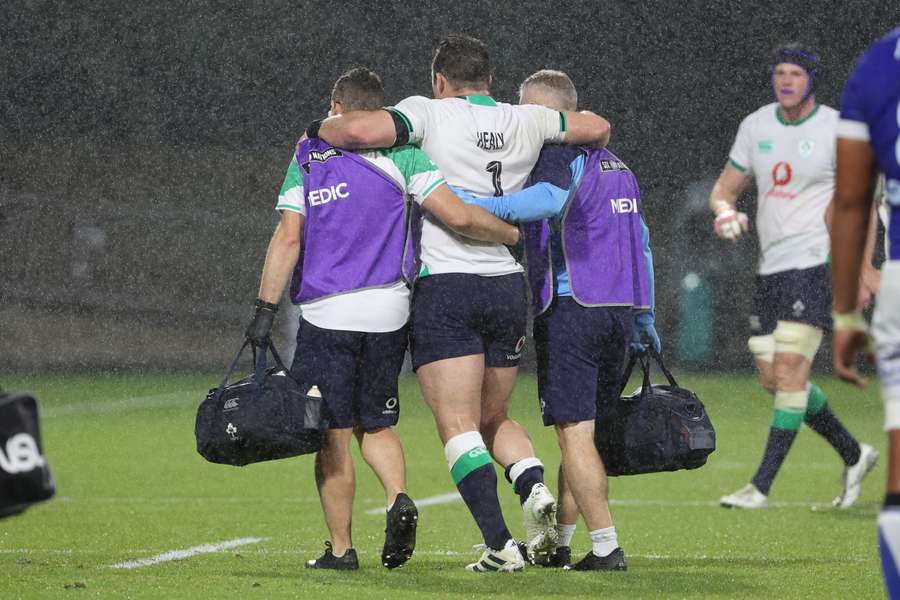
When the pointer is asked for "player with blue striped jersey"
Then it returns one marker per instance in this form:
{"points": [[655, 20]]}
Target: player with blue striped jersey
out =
{"points": [[868, 142]]}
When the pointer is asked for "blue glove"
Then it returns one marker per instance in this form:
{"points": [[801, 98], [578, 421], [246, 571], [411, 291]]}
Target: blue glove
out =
{"points": [[644, 333], [534, 203]]}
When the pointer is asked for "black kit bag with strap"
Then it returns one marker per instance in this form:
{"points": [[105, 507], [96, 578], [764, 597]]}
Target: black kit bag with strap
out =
{"points": [[24, 473], [657, 428], [266, 416]]}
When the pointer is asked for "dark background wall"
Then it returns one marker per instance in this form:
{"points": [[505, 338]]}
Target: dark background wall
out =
{"points": [[142, 147]]}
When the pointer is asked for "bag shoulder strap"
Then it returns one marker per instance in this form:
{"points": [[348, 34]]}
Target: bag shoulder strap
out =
{"points": [[662, 366], [232, 367]]}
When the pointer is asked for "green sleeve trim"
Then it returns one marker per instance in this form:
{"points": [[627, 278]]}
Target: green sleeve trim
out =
{"points": [[789, 420], [468, 462], [400, 114], [293, 177], [563, 123], [737, 165], [411, 161], [433, 187], [817, 400], [289, 207]]}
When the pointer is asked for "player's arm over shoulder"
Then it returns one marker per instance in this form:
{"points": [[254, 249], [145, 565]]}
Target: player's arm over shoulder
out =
{"points": [[569, 127], [585, 127]]}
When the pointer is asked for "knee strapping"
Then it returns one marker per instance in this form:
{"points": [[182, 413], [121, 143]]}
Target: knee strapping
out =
{"points": [[791, 401], [762, 347], [797, 338], [465, 453]]}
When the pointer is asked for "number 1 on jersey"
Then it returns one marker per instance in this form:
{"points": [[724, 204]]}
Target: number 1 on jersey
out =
{"points": [[495, 168]]}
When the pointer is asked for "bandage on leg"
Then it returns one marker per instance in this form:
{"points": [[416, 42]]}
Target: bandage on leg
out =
{"points": [[762, 347], [797, 338]]}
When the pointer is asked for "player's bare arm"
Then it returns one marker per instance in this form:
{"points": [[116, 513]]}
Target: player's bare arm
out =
{"points": [[851, 212], [585, 127], [854, 188], [281, 259], [282, 256], [729, 223], [870, 277], [467, 219], [359, 129]]}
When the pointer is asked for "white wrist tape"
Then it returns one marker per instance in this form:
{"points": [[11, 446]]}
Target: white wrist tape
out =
{"points": [[851, 320]]}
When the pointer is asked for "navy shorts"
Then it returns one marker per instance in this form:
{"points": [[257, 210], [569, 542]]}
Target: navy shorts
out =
{"points": [[356, 372], [801, 295], [581, 354], [459, 314]]}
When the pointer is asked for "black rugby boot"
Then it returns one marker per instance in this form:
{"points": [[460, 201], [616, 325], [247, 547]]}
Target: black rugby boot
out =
{"points": [[614, 561], [400, 533], [559, 558], [347, 562]]}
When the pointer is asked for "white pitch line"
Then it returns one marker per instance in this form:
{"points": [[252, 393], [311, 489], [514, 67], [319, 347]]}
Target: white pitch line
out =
{"points": [[429, 501], [123, 405], [187, 553]]}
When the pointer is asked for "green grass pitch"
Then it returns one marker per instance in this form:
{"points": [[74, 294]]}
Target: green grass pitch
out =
{"points": [[131, 486]]}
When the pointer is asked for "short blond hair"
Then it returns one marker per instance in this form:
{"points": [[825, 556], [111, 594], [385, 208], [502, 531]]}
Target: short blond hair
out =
{"points": [[556, 83]]}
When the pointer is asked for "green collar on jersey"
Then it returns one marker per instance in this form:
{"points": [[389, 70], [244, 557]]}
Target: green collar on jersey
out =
{"points": [[480, 100], [795, 123]]}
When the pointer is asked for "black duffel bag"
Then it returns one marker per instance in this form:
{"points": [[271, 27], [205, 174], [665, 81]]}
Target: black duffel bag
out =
{"points": [[24, 473], [656, 428], [266, 416]]}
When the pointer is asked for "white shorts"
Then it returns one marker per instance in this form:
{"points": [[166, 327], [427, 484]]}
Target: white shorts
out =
{"points": [[886, 329]]}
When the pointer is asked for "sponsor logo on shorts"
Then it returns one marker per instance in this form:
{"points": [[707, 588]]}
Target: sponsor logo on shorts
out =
{"points": [[390, 406], [232, 431], [230, 404], [799, 308], [22, 455], [520, 345]]}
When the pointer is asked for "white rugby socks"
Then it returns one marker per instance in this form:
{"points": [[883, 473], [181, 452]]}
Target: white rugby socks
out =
{"points": [[604, 541]]}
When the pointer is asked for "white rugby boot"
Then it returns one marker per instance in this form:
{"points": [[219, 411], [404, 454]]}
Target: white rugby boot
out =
{"points": [[539, 515], [506, 560], [853, 476], [746, 497]]}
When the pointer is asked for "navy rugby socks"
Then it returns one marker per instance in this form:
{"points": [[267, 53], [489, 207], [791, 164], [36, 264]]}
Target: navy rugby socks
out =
{"points": [[474, 476], [820, 419], [524, 474], [777, 448]]}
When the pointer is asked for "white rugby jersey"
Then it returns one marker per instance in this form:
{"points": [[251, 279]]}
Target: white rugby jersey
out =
{"points": [[793, 164], [486, 148]]}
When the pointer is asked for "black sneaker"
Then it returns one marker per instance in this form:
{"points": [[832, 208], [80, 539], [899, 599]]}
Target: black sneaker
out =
{"points": [[558, 559], [614, 561], [400, 533], [347, 562]]}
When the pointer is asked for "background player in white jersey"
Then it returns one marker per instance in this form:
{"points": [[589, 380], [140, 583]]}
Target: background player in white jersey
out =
{"points": [[348, 213], [869, 141], [469, 309], [788, 146]]}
